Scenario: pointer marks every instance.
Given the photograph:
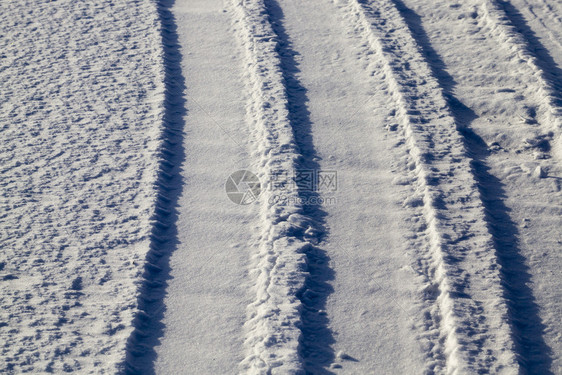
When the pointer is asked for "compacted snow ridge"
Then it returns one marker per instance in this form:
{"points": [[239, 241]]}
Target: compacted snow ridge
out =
{"points": [[544, 76], [287, 235], [80, 114], [463, 273], [316, 337]]}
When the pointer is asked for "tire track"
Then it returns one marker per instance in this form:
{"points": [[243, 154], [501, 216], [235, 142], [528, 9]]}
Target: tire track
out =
{"points": [[526, 323], [553, 17], [148, 326], [290, 272], [508, 26], [468, 318]]}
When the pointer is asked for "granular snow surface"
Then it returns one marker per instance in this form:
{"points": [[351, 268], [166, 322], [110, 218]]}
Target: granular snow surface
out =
{"points": [[281, 187]]}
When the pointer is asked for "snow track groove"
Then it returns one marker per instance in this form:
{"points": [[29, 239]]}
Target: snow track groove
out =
{"points": [[163, 239], [464, 291], [287, 304], [316, 336], [507, 25], [527, 327], [533, 354]]}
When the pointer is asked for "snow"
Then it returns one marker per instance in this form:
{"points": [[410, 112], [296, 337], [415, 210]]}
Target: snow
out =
{"points": [[81, 94], [430, 244]]}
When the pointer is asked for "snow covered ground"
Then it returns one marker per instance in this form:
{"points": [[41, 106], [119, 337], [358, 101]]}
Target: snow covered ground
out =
{"points": [[81, 116], [408, 216]]}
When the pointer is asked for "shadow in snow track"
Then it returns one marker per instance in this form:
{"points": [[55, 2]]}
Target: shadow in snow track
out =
{"points": [[461, 113], [527, 328], [148, 326], [315, 346], [544, 60]]}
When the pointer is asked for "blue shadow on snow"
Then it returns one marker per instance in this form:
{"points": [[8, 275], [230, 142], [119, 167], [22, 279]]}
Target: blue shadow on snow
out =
{"points": [[148, 325], [316, 340], [527, 328]]}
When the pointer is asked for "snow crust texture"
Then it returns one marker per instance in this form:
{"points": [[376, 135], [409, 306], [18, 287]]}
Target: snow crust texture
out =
{"points": [[81, 113]]}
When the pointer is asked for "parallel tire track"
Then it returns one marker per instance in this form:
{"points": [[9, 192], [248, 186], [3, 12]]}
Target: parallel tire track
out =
{"points": [[460, 265], [280, 265], [496, 16]]}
